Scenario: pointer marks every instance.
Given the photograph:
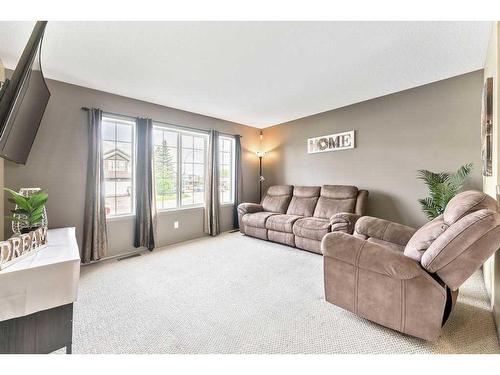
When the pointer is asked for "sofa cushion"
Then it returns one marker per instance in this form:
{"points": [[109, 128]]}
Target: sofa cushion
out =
{"points": [[258, 219], [424, 237], [334, 199], [311, 227], [281, 237], [304, 200], [308, 244], [465, 203], [282, 223], [277, 198]]}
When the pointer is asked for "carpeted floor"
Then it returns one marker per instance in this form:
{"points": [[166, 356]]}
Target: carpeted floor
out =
{"points": [[236, 294]]}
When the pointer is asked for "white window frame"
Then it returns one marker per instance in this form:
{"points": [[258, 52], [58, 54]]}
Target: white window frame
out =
{"points": [[233, 169], [179, 206], [124, 120]]}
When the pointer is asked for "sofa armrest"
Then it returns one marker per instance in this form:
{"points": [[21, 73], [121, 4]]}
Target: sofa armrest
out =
{"points": [[344, 222], [249, 208], [370, 256], [384, 230]]}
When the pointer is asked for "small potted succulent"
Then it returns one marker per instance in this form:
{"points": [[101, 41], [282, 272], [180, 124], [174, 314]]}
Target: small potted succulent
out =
{"points": [[29, 210]]}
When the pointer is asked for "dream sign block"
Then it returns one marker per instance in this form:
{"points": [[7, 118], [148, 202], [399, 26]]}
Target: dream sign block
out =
{"points": [[18, 247]]}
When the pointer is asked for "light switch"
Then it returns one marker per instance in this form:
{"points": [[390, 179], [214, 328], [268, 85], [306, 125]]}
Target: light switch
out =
{"points": [[176, 225]]}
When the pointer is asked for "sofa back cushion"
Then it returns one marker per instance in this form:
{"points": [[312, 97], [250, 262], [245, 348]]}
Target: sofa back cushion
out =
{"points": [[465, 203], [334, 199], [424, 237], [454, 245], [304, 200], [277, 198]]}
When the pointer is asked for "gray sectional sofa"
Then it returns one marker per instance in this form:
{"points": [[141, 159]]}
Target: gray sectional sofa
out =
{"points": [[301, 216]]}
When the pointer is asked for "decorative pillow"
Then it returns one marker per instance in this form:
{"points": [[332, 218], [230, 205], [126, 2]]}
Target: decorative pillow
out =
{"points": [[424, 237]]}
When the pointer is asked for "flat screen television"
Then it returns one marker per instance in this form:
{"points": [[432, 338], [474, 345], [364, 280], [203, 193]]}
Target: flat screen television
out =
{"points": [[23, 99]]}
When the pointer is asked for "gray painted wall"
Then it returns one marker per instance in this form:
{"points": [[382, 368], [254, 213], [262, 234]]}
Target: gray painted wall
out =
{"points": [[434, 127], [58, 163]]}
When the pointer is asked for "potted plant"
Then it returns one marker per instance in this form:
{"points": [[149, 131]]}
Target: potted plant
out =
{"points": [[442, 187], [29, 210]]}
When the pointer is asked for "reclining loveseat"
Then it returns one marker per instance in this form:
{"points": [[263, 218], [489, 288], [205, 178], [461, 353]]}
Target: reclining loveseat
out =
{"points": [[301, 216], [408, 279]]}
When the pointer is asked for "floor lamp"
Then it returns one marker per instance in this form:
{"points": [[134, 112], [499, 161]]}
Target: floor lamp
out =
{"points": [[260, 155]]}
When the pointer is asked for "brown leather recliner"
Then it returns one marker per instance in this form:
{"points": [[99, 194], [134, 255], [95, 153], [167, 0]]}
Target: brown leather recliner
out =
{"points": [[405, 279], [300, 216]]}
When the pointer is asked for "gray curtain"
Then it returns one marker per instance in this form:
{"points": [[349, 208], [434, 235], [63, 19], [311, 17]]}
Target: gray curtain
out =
{"points": [[94, 227], [145, 202], [238, 179], [212, 186]]}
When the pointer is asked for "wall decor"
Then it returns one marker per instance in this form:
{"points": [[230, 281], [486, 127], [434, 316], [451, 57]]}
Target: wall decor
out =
{"points": [[487, 128], [20, 246], [332, 142]]}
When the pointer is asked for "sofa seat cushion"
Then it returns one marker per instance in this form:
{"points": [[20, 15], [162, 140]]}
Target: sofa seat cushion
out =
{"points": [[311, 227], [282, 223], [257, 219]]}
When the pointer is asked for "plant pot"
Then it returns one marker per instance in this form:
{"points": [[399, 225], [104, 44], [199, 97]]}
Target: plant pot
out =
{"points": [[27, 230]]}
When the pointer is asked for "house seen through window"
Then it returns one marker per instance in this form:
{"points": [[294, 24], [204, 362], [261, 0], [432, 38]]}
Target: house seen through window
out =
{"points": [[119, 158]]}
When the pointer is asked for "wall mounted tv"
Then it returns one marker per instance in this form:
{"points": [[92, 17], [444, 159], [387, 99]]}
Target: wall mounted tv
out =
{"points": [[23, 99]]}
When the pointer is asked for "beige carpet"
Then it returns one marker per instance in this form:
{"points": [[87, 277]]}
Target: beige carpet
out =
{"points": [[236, 294]]}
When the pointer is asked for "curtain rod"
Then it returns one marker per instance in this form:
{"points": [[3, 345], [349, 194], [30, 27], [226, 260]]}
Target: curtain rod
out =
{"points": [[165, 123]]}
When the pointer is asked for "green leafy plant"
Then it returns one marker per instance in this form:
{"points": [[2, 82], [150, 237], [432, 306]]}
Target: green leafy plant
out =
{"points": [[442, 187], [29, 210]]}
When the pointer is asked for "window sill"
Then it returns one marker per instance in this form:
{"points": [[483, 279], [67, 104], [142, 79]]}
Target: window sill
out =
{"points": [[170, 210], [164, 211], [120, 217]]}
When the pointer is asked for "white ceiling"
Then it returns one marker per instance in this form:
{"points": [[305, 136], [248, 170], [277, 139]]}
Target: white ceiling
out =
{"points": [[254, 73]]}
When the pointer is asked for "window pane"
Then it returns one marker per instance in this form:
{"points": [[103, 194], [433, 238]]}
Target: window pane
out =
{"points": [[108, 131], [226, 197], [187, 155], [226, 158], [199, 143], [170, 201], [170, 138], [199, 197], [187, 198], [157, 137], [107, 146], [225, 172], [109, 187], [187, 170], [109, 168], [166, 168], [187, 141], [123, 194], [199, 156], [226, 145], [123, 133]]}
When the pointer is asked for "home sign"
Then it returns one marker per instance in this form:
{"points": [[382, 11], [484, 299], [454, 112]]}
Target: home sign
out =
{"points": [[332, 142]]}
